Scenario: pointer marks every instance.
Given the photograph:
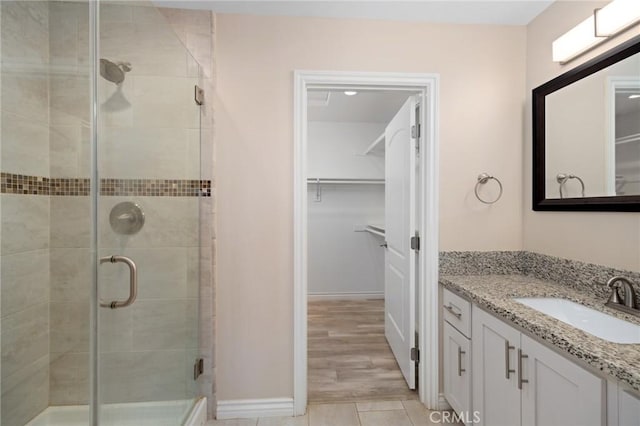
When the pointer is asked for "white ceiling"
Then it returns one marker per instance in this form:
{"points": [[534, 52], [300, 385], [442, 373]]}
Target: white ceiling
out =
{"points": [[367, 106], [500, 12]]}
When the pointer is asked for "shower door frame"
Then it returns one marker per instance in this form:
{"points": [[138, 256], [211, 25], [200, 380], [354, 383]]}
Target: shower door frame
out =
{"points": [[94, 368], [195, 413], [427, 316]]}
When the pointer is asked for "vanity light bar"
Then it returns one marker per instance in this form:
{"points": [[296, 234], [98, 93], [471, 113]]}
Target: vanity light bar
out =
{"points": [[616, 16], [576, 41], [606, 22]]}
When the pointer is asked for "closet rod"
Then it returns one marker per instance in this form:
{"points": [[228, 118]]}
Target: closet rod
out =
{"points": [[375, 230], [374, 144], [346, 181], [628, 139]]}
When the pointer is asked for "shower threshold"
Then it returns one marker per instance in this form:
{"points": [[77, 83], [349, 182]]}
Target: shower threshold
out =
{"points": [[161, 413]]}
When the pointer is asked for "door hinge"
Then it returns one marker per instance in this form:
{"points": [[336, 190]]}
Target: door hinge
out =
{"points": [[415, 354], [415, 131], [415, 242], [199, 95], [198, 368]]}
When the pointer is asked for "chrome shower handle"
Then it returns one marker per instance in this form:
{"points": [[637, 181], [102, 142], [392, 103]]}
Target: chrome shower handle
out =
{"points": [[133, 282]]}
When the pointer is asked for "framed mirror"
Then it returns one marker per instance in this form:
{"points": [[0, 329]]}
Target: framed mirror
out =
{"points": [[586, 135]]}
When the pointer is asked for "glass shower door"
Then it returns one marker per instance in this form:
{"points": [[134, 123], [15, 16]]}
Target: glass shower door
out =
{"points": [[148, 159]]}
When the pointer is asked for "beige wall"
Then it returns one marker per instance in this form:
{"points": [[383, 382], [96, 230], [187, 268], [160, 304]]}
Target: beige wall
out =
{"points": [[482, 70], [611, 239]]}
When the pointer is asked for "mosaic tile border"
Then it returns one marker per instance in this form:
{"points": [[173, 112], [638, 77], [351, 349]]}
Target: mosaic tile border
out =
{"points": [[70, 187], [39, 185], [155, 187], [24, 184]]}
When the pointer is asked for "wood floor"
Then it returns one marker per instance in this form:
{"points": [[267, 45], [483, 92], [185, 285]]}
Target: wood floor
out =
{"points": [[349, 359]]}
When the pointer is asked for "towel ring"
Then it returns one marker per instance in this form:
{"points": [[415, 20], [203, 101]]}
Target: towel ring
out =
{"points": [[482, 179], [562, 178]]}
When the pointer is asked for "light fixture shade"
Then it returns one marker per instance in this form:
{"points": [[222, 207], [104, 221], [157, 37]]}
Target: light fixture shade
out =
{"points": [[606, 22], [576, 41], [616, 16]]}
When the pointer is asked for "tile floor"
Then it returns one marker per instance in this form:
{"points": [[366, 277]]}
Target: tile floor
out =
{"points": [[376, 413]]}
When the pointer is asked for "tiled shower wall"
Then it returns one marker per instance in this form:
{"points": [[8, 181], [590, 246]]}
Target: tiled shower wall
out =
{"points": [[25, 218], [70, 220], [150, 144]]}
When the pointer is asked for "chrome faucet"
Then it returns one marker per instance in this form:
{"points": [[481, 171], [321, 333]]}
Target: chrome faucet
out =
{"points": [[628, 302]]}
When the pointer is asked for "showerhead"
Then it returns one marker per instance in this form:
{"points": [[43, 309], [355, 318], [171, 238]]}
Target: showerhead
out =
{"points": [[114, 72]]}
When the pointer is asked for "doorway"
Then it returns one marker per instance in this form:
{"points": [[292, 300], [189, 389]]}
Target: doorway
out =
{"points": [[348, 341], [412, 271]]}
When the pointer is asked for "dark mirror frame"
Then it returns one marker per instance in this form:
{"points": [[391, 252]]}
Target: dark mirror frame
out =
{"points": [[624, 203]]}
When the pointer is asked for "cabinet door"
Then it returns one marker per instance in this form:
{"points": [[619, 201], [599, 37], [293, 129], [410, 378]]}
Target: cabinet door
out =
{"points": [[628, 408], [558, 392], [457, 370], [496, 397]]}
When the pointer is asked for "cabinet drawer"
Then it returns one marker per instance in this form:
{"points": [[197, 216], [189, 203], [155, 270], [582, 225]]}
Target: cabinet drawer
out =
{"points": [[457, 312]]}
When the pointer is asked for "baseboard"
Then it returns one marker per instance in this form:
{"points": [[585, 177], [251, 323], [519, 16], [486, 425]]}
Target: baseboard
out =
{"points": [[346, 296], [198, 416], [252, 408], [443, 404]]}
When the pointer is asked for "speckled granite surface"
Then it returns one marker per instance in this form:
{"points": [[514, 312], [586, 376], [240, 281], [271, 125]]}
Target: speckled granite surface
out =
{"points": [[480, 262], [494, 293], [579, 275]]}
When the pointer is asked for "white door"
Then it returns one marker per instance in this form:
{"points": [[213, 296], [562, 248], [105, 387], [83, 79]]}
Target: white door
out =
{"points": [[400, 259]]}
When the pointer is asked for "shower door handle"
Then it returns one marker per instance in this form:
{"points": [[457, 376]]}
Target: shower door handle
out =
{"points": [[133, 282]]}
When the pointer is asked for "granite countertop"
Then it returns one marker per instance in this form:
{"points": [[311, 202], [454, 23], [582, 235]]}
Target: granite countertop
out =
{"points": [[494, 293]]}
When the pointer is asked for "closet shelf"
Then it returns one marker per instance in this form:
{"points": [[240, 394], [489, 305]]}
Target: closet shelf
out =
{"points": [[373, 145], [628, 139], [346, 181]]}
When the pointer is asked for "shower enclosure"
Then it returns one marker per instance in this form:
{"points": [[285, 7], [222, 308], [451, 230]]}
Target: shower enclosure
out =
{"points": [[101, 195]]}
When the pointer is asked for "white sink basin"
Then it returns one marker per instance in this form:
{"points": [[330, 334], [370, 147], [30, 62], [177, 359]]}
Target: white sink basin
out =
{"points": [[586, 319]]}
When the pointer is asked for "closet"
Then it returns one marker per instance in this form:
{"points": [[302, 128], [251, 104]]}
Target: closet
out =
{"points": [[358, 269], [627, 139]]}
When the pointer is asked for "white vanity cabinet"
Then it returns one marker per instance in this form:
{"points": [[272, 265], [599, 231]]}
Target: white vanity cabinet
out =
{"points": [[518, 381], [457, 353], [623, 405], [495, 387], [628, 408]]}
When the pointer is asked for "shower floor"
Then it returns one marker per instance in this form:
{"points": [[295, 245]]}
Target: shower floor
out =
{"points": [[163, 413]]}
